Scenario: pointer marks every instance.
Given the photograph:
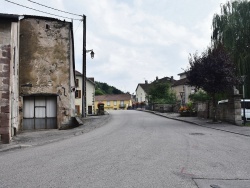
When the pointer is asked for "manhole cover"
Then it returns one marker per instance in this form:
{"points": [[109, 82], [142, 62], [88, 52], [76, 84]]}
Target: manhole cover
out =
{"points": [[215, 186], [196, 134]]}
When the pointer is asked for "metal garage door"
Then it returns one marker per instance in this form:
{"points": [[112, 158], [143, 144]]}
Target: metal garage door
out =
{"points": [[39, 112]]}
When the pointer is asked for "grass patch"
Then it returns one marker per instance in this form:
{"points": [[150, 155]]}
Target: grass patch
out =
{"points": [[247, 123]]}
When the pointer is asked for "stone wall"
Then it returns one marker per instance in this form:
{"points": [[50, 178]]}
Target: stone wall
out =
{"points": [[5, 60], [163, 107], [229, 111], [46, 63]]}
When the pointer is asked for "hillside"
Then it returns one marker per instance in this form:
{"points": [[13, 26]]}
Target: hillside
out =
{"points": [[103, 88]]}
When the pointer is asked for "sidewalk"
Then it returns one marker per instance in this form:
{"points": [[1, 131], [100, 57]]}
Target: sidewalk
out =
{"points": [[222, 126], [41, 137]]}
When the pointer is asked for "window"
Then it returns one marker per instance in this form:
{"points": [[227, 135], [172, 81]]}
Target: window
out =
{"points": [[77, 82], [47, 26], [115, 102], [122, 104], [108, 103], [77, 109], [78, 94]]}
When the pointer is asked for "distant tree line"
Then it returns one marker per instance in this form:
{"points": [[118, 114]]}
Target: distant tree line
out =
{"points": [[103, 88]]}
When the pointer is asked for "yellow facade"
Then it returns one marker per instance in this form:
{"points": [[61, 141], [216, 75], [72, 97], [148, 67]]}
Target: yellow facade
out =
{"points": [[114, 102]]}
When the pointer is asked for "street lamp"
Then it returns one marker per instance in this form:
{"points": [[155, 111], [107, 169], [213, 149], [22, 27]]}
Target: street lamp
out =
{"points": [[181, 94], [84, 67], [92, 53], [243, 78]]}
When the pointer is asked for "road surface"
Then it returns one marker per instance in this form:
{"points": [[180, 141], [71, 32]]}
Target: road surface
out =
{"points": [[134, 149]]}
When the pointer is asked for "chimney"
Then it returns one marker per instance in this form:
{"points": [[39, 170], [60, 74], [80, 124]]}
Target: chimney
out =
{"points": [[156, 77], [171, 79], [146, 82]]}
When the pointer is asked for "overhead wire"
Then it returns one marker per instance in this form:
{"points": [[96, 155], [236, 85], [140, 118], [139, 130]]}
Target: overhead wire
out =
{"points": [[41, 11], [54, 8]]}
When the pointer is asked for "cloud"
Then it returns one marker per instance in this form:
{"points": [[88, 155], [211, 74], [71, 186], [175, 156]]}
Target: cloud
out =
{"points": [[135, 40]]}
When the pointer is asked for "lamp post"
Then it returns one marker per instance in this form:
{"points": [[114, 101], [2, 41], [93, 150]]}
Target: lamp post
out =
{"points": [[181, 94], [243, 78], [84, 67]]}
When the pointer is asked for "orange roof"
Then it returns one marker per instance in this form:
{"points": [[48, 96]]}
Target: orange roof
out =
{"points": [[113, 97]]}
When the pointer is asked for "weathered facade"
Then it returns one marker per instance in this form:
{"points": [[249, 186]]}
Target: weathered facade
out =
{"points": [[46, 73], [8, 76]]}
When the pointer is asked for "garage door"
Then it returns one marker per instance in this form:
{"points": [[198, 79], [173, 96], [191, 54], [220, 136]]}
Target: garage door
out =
{"points": [[39, 112]]}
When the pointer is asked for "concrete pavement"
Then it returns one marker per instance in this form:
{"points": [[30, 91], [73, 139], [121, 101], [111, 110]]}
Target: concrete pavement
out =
{"points": [[41, 137], [221, 126]]}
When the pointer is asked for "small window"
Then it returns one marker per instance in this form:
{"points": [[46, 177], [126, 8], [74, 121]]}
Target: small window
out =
{"points": [[47, 26], [108, 103], [77, 109], [115, 103], [77, 82], [78, 94]]}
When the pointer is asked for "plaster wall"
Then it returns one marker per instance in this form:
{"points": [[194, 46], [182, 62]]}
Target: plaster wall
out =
{"points": [[46, 63], [90, 95], [141, 95]]}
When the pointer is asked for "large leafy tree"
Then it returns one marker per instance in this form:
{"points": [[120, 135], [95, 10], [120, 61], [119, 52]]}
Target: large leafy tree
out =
{"points": [[232, 28], [213, 71], [161, 92]]}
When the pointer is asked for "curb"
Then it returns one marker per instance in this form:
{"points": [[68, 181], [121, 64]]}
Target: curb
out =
{"points": [[11, 148], [198, 124]]}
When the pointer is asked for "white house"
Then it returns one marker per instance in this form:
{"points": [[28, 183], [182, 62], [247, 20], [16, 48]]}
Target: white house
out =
{"points": [[182, 88], [142, 91], [90, 94]]}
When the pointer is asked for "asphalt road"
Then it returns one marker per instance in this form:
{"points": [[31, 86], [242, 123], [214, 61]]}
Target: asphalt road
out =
{"points": [[134, 149]]}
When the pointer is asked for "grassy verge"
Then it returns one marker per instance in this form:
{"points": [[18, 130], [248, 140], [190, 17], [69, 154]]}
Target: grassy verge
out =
{"points": [[247, 123]]}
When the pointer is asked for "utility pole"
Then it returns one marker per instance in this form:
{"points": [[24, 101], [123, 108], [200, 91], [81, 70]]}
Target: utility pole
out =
{"points": [[84, 68]]}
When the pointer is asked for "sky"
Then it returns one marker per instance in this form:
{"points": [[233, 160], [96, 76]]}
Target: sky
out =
{"points": [[133, 40]]}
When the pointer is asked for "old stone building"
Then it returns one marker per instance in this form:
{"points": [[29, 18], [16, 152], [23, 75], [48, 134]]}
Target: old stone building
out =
{"points": [[8, 76], [46, 73], [37, 80]]}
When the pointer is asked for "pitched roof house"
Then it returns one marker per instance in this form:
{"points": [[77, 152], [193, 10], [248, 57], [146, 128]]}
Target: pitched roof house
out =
{"points": [[142, 90], [114, 102], [43, 51], [182, 88]]}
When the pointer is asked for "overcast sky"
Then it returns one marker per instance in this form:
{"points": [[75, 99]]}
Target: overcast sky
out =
{"points": [[133, 40]]}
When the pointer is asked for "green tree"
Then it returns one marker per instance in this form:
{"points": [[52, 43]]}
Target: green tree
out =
{"points": [[232, 28], [104, 88], [214, 72], [200, 96], [98, 92], [161, 93]]}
